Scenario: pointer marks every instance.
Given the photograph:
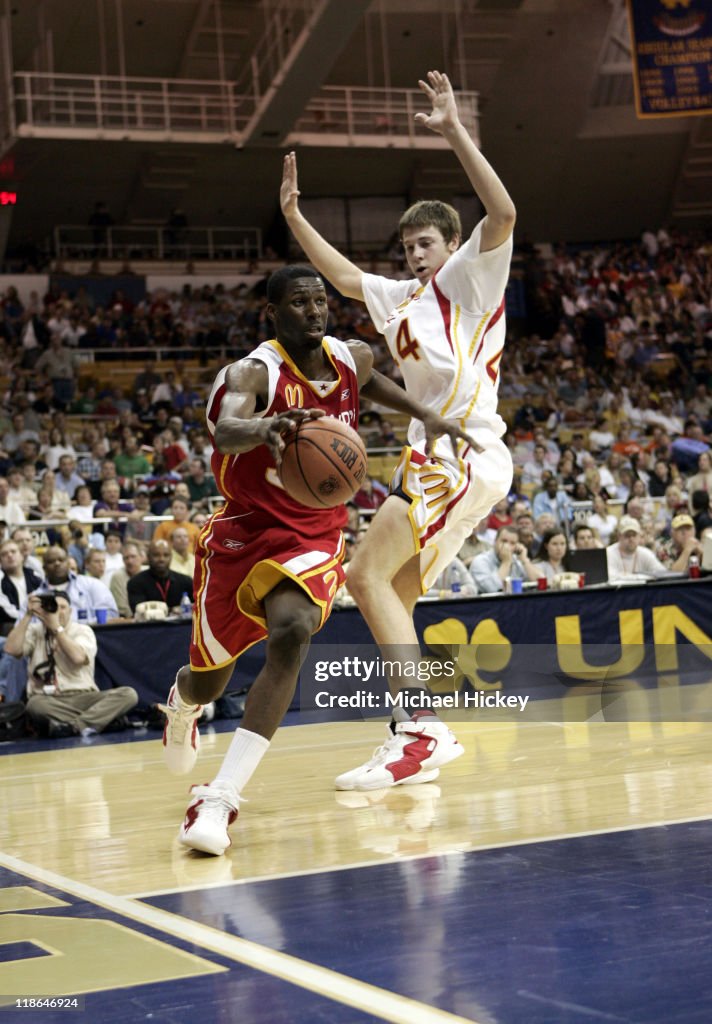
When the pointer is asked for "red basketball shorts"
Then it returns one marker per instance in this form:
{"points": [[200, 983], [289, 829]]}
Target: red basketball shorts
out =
{"points": [[235, 567]]}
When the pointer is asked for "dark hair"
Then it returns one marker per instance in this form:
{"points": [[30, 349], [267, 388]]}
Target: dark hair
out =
{"points": [[581, 526], [699, 500], [277, 284], [542, 554]]}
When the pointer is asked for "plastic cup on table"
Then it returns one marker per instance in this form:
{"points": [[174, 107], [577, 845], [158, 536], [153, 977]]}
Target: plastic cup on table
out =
{"points": [[516, 586], [101, 616]]}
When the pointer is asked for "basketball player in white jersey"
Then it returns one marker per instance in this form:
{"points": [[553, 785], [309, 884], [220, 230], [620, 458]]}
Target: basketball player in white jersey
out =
{"points": [[445, 329]]}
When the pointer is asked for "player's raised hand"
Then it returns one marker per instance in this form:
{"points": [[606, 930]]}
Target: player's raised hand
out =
{"points": [[436, 426], [284, 423], [289, 190], [444, 115]]}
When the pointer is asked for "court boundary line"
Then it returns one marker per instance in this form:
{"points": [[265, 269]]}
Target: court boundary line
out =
{"points": [[323, 981], [418, 856]]}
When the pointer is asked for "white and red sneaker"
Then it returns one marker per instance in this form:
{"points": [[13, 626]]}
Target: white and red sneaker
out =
{"points": [[412, 754], [181, 739], [210, 813]]}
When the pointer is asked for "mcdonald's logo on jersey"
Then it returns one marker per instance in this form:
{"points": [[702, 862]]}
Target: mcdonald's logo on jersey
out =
{"points": [[436, 487], [294, 396]]}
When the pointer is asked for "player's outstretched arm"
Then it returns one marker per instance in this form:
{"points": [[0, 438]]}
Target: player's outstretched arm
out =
{"points": [[340, 272], [445, 120], [384, 391], [238, 429]]}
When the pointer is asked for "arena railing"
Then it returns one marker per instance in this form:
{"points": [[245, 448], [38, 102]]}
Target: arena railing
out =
{"points": [[113, 107], [160, 242]]}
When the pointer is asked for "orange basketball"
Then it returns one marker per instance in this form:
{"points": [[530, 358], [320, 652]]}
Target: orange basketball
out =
{"points": [[323, 463]]}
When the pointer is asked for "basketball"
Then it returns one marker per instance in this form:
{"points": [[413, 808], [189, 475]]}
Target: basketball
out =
{"points": [[323, 463]]}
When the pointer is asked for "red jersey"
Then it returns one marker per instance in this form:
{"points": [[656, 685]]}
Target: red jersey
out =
{"points": [[249, 480]]}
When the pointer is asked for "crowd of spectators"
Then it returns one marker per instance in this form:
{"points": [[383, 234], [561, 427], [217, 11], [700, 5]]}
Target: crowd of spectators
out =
{"points": [[606, 386]]}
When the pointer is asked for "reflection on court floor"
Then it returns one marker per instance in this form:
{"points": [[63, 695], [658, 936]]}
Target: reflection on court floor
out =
{"points": [[558, 872]]}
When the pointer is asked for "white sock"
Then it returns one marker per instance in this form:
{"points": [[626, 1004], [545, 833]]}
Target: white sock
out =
{"points": [[244, 754], [183, 705]]}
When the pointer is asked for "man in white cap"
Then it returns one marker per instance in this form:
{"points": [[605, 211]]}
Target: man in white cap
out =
{"points": [[674, 553], [627, 557]]}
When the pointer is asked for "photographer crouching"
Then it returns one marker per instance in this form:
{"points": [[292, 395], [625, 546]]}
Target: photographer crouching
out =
{"points": [[63, 699]]}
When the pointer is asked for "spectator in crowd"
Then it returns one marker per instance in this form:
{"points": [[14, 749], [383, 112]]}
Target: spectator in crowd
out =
{"points": [[601, 438], [627, 557], [112, 550], [87, 594], [137, 527], [524, 524], [89, 465], [175, 456], [552, 499], [131, 462], [58, 446], [660, 479], [111, 507], [585, 537], [83, 508], [701, 511], [61, 365], [16, 582], [29, 452], [66, 478], [455, 580], [665, 513], [674, 553], [549, 561], [499, 516], [166, 390], [63, 698], [568, 471], [107, 474], [180, 510], [95, 564], [77, 546], [535, 468], [602, 520], [182, 558], [20, 492], [12, 439], [508, 559], [10, 512], [200, 485], [370, 495], [159, 582], [132, 557], [702, 479], [25, 540]]}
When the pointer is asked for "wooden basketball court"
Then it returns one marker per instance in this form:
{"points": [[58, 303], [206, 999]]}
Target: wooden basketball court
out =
{"points": [[559, 871]]}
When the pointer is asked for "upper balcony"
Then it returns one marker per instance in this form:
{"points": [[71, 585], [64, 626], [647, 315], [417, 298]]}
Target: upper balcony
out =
{"points": [[108, 108]]}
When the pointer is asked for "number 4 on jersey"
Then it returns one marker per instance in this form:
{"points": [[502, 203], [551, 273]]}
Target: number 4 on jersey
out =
{"points": [[405, 345]]}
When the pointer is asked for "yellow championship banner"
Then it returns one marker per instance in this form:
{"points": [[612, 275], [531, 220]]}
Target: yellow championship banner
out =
{"points": [[672, 56]]}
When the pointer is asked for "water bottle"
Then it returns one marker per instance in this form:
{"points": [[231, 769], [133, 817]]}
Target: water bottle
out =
{"points": [[186, 608], [80, 602], [694, 567], [455, 580]]}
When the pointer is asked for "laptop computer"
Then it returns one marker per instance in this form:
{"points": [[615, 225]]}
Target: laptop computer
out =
{"points": [[706, 562], [591, 561]]}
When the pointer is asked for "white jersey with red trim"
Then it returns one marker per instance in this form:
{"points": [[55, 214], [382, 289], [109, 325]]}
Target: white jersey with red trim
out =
{"points": [[447, 337]]}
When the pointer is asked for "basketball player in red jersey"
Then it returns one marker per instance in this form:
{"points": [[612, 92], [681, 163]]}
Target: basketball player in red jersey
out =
{"points": [[267, 566], [445, 328]]}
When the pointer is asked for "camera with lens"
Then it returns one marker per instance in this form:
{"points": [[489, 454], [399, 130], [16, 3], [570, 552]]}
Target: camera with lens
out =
{"points": [[48, 602]]}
